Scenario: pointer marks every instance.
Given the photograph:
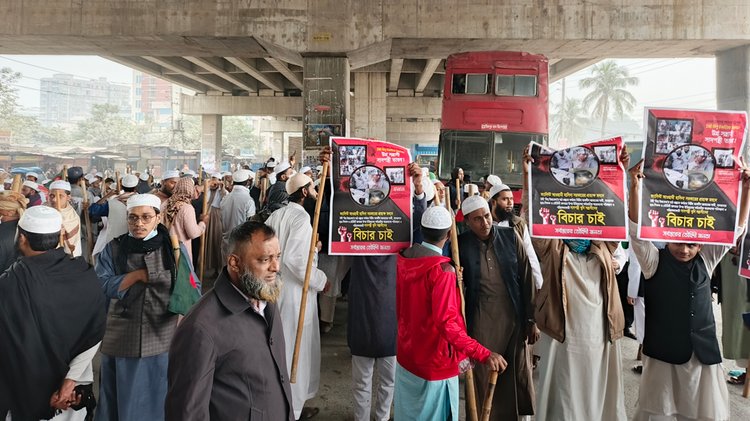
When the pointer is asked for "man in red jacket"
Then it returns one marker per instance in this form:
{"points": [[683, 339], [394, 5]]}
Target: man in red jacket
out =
{"points": [[432, 339]]}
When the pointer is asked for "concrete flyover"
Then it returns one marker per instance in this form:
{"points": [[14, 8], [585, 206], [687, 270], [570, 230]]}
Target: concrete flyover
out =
{"points": [[392, 48]]}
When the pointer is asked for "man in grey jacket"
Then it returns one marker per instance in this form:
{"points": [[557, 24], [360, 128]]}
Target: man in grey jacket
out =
{"points": [[227, 360]]}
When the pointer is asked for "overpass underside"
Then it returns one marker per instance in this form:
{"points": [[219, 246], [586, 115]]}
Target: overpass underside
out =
{"points": [[374, 68]]}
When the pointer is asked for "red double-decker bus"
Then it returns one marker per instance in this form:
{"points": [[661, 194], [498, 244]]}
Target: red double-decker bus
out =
{"points": [[494, 104]]}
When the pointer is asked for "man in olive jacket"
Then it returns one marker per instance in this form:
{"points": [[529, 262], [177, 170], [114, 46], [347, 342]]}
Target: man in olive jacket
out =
{"points": [[227, 360]]}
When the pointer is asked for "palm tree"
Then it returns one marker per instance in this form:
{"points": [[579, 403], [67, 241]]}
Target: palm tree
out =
{"points": [[569, 120], [609, 82]]}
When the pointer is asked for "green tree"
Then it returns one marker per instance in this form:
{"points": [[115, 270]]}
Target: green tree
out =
{"points": [[237, 133], [105, 127], [8, 93], [609, 83], [569, 121]]}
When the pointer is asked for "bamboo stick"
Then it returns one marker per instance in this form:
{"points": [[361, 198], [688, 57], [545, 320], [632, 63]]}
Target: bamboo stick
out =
{"points": [[746, 389], [118, 181], [458, 194], [471, 394], [17, 183], [308, 273], [58, 205], [87, 219], [65, 173], [206, 210], [200, 175], [263, 189], [487, 408]]}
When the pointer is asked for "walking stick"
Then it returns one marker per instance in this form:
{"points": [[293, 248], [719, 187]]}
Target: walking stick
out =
{"points": [[118, 181], [87, 219], [58, 207], [746, 390], [175, 249], [263, 189], [487, 408], [65, 173], [458, 194], [200, 175], [202, 255], [308, 273], [17, 183], [471, 394]]}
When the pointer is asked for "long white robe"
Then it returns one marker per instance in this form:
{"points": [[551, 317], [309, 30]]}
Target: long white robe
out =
{"points": [[292, 226], [236, 208]]}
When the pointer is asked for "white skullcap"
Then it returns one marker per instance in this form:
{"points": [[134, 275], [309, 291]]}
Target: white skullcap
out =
{"points": [[8, 181], [305, 170], [188, 173], [271, 164], [144, 176], [32, 174], [171, 174], [89, 177], [32, 185], [497, 188], [217, 175], [41, 220], [281, 167], [494, 180], [437, 217], [297, 181], [319, 168], [60, 184], [226, 173], [129, 181], [240, 176], [473, 203], [137, 200], [100, 175]]}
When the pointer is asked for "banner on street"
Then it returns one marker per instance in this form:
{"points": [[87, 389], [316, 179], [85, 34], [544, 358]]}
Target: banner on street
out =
{"points": [[371, 201], [578, 192], [692, 185]]}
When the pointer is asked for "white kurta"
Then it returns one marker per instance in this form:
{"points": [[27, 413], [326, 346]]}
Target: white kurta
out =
{"points": [[581, 378], [292, 226], [117, 217], [236, 208], [639, 309]]}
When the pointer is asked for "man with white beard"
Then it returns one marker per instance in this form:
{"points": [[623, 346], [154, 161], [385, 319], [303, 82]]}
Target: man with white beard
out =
{"points": [[218, 367], [292, 225]]}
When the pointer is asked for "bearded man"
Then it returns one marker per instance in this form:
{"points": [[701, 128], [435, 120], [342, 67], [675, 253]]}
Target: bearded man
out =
{"points": [[219, 367]]}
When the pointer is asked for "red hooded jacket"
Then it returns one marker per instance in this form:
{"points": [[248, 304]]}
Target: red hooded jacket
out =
{"points": [[432, 336]]}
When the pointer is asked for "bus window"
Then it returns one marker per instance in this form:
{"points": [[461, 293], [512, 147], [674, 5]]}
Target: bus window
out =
{"points": [[518, 85], [468, 150], [504, 85], [474, 84], [508, 155]]}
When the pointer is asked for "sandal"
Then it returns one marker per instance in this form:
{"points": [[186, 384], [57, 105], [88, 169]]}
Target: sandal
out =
{"points": [[308, 412], [737, 380]]}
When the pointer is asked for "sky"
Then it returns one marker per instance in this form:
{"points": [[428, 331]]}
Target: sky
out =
{"points": [[679, 83]]}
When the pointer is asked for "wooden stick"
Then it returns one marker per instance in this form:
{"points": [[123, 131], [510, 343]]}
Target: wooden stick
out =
{"points": [[87, 219], [65, 173], [487, 408], [263, 189], [118, 181], [471, 393], [206, 210], [17, 183], [58, 206], [176, 250], [308, 273], [200, 175]]}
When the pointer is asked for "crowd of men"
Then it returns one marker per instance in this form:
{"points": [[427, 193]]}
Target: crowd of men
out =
{"points": [[89, 268]]}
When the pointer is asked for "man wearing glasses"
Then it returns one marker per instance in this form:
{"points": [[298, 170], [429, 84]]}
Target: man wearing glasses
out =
{"points": [[136, 271]]}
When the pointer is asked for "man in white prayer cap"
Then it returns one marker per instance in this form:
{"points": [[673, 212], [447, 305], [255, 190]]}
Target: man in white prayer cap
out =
{"points": [[30, 190], [499, 306], [168, 183], [236, 207], [277, 195], [136, 271], [52, 321], [59, 198]]}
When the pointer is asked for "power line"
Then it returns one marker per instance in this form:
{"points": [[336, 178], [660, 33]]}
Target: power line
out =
{"points": [[53, 70]]}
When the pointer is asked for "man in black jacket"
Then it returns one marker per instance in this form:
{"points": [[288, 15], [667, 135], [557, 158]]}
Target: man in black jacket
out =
{"points": [[227, 359]]}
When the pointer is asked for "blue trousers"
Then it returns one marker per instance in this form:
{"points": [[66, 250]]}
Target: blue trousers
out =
{"points": [[132, 389]]}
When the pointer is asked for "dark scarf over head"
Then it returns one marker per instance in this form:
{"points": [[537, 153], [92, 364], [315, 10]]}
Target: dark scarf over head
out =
{"points": [[51, 309]]}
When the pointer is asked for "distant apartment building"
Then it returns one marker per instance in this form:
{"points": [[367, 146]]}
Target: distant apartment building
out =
{"points": [[152, 101], [66, 99]]}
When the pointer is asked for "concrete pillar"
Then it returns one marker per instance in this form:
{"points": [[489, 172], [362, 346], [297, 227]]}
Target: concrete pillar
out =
{"points": [[211, 142], [733, 81], [369, 106], [326, 103]]}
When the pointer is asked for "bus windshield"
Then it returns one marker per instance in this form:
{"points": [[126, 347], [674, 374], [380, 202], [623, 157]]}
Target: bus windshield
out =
{"points": [[484, 153]]}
